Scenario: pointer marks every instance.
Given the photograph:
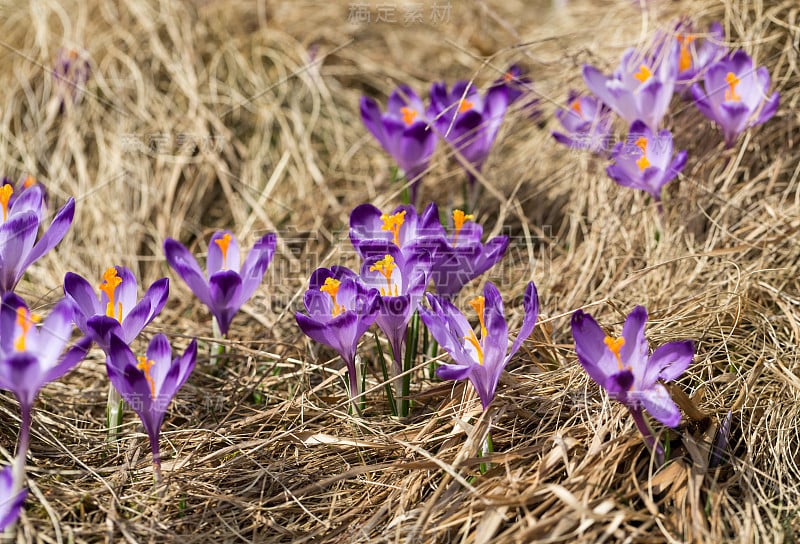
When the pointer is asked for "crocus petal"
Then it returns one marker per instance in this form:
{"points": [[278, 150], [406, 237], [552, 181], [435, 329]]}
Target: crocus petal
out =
{"points": [[495, 343], [530, 305], [224, 288], [101, 328], [135, 321], [160, 352], [17, 236], [47, 341], [127, 291], [8, 320], [590, 346], [11, 506], [635, 349], [768, 109], [83, 295], [372, 119], [657, 401], [597, 83], [339, 333], [184, 263], [256, 263], [72, 357], [57, 230], [21, 374], [669, 361], [214, 261], [453, 372]]}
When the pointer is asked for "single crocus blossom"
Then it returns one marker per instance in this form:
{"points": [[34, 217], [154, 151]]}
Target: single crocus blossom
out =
{"points": [[587, 122], [642, 86], [625, 368], [464, 257], [517, 85], [12, 495], [645, 160], [149, 383], [31, 356], [734, 95], [697, 52], [228, 284], [117, 310], [373, 232], [21, 220], [340, 310], [468, 121], [481, 357], [402, 131], [71, 72], [401, 282]]}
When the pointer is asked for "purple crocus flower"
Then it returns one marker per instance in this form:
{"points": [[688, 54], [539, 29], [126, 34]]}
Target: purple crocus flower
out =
{"points": [[697, 53], [31, 356], [71, 72], [645, 161], [228, 284], [734, 95], [641, 88], [468, 121], [21, 221], [11, 497], [403, 132], [149, 383], [517, 85], [587, 122], [340, 310], [480, 359], [625, 368], [401, 281], [373, 232], [116, 311], [463, 257]]}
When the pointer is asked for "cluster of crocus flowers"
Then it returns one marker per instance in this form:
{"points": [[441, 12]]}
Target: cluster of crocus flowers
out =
{"points": [[227, 283], [479, 357], [587, 124], [626, 369], [148, 383], [463, 117], [21, 218]]}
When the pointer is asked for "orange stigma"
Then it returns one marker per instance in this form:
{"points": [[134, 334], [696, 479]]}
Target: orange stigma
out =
{"points": [[392, 223], [5, 195], [615, 345], [223, 244], [386, 266], [576, 107], [145, 365], [409, 114], [479, 305], [685, 60], [643, 74], [730, 94], [331, 286], [464, 105], [459, 218], [29, 182], [508, 77], [25, 320], [109, 286], [642, 163]]}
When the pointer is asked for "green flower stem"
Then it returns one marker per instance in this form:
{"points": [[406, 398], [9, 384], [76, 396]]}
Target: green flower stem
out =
{"points": [[408, 364], [217, 349], [486, 449], [115, 408], [387, 385]]}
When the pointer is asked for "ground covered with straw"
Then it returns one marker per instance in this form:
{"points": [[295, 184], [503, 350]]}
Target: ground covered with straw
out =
{"points": [[205, 115]]}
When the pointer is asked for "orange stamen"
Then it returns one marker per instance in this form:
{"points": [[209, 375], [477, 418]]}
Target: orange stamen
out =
{"points": [[223, 244], [409, 114], [29, 182], [643, 162], [331, 286], [459, 218], [5, 195], [472, 339], [386, 266], [465, 105], [685, 59], [731, 94], [479, 305], [576, 107], [392, 223], [615, 345], [109, 286], [643, 74], [25, 320], [508, 76], [145, 365]]}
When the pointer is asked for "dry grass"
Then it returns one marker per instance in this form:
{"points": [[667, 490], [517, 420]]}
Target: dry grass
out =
{"points": [[260, 447]]}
